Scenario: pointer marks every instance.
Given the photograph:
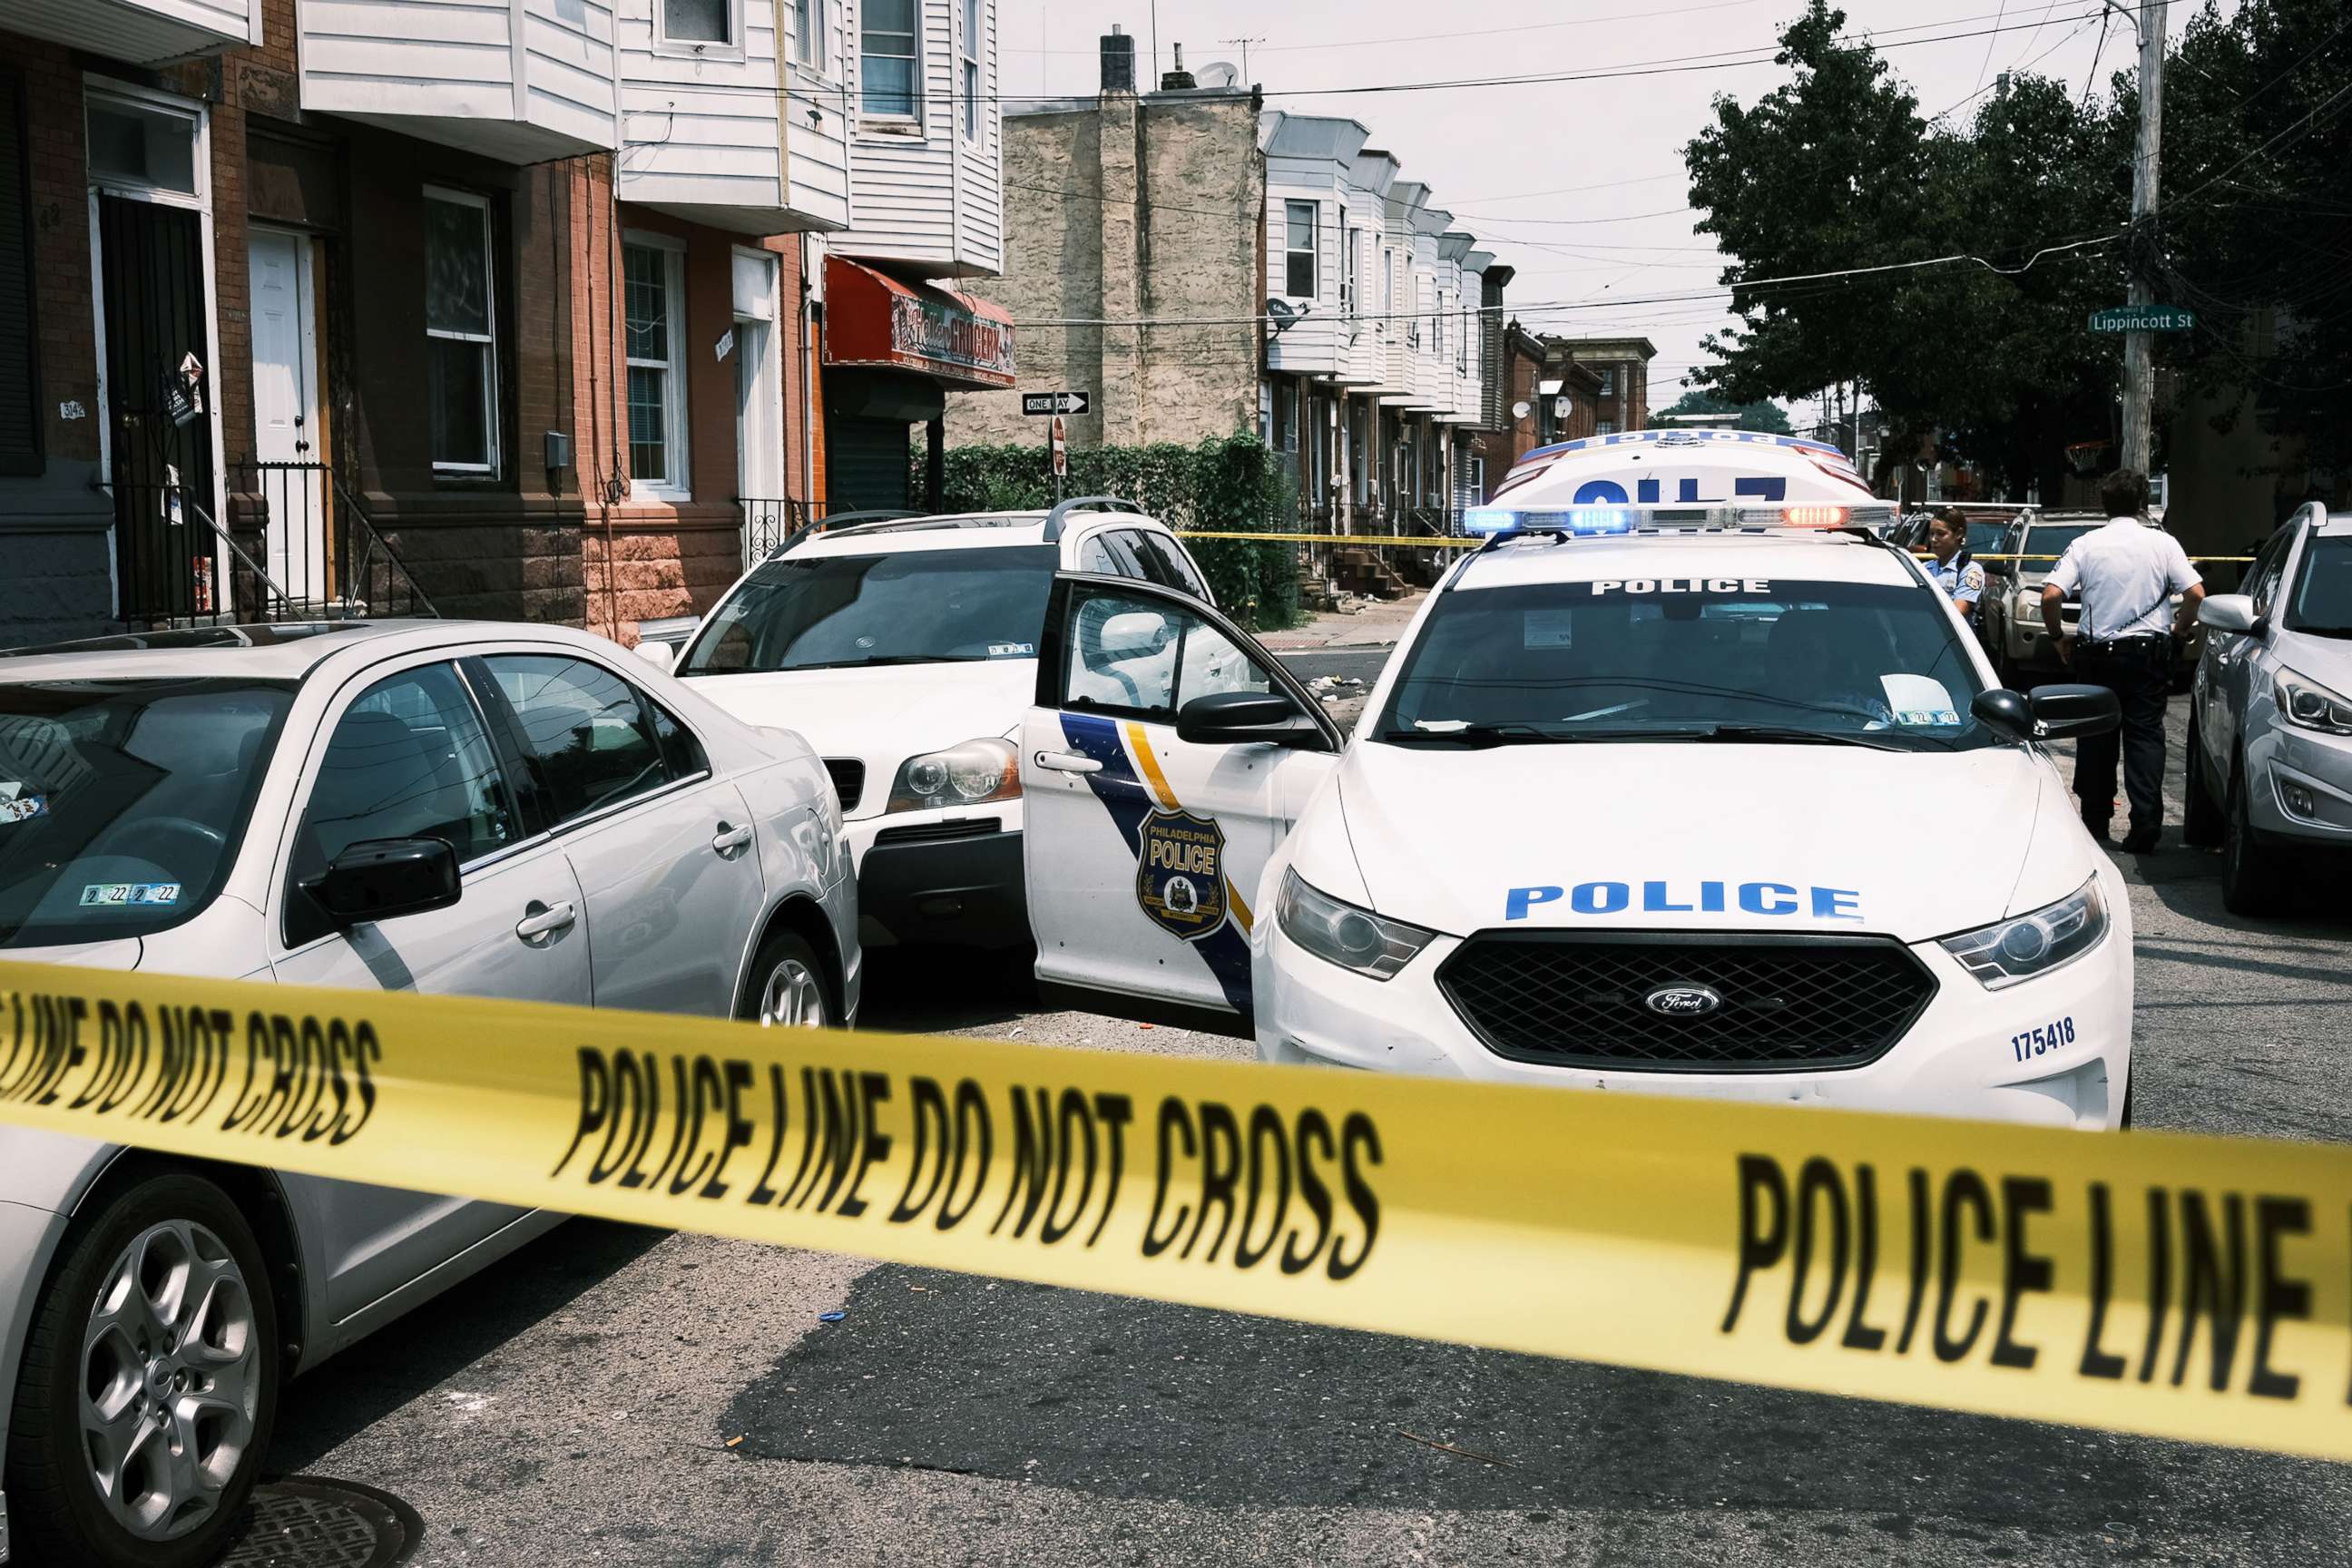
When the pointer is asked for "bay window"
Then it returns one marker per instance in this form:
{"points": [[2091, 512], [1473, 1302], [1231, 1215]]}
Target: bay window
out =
{"points": [[887, 57]]}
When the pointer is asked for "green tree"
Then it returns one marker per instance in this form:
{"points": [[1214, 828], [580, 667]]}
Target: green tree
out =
{"points": [[1838, 171], [1763, 415]]}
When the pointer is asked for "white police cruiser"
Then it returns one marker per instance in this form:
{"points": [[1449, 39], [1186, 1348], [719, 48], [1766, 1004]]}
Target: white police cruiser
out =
{"points": [[1647, 800]]}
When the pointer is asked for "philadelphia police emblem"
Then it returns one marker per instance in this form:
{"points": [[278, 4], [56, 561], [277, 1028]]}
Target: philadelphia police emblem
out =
{"points": [[1180, 874]]}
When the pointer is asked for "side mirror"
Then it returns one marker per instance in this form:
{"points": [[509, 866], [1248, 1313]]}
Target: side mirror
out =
{"points": [[2227, 612], [2008, 711], [378, 879], [1134, 634], [1266, 717], [660, 655], [2063, 712]]}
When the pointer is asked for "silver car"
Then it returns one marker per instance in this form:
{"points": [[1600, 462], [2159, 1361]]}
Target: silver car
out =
{"points": [[487, 809], [2269, 716]]}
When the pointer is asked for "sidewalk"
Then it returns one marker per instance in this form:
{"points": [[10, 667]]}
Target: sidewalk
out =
{"points": [[1366, 623]]}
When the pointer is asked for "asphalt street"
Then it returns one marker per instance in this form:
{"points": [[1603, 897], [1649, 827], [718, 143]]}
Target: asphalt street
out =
{"points": [[618, 1396]]}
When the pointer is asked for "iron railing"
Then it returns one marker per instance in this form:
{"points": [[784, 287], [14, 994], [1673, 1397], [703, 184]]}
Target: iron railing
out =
{"points": [[298, 547], [769, 521]]}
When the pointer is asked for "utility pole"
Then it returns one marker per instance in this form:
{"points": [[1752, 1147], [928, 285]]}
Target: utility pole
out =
{"points": [[2139, 376]]}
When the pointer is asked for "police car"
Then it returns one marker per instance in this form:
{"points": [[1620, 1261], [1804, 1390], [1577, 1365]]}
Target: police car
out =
{"points": [[1647, 799]]}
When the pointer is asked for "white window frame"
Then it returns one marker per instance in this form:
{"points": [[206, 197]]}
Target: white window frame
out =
{"points": [[488, 340], [1604, 427], [699, 48], [891, 121], [975, 23], [809, 24], [1437, 326], [677, 484], [1313, 251], [1351, 252], [1388, 289], [1462, 347]]}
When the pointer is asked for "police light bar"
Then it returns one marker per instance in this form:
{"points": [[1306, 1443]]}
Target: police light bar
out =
{"points": [[1580, 520]]}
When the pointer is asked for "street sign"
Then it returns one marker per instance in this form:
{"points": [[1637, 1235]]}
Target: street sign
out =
{"points": [[2149, 319], [1042, 402], [1061, 439]]}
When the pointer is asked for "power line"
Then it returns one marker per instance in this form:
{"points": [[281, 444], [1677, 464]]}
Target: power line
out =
{"points": [[1464, 33]]}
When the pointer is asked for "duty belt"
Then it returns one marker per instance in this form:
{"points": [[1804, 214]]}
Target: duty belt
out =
{"points": [[2137, 640]]}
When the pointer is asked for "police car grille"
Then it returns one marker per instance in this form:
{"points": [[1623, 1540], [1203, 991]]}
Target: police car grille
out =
{"points": [[848, 780], [1789, 1004]]}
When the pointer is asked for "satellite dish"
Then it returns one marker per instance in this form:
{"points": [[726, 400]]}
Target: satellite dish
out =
{"points": [[1281, 311], [1219, 73], [1522, 408]]}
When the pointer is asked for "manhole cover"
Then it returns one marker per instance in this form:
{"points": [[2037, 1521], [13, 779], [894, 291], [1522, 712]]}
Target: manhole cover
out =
{"points": [[306, 1522]]}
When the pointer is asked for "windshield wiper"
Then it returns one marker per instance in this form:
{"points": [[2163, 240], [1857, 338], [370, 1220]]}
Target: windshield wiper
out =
{"points": [[1479, 735], [1783, 734]]}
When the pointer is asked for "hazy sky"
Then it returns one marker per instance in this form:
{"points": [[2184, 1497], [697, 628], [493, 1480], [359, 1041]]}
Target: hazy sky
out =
{"points": [[1579, 185]]}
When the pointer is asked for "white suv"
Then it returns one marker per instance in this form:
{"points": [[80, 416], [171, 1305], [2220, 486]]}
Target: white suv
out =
{"points": [[904, 648]]}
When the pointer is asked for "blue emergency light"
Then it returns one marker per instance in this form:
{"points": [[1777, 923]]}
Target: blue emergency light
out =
{"points": [[1578, 519]]}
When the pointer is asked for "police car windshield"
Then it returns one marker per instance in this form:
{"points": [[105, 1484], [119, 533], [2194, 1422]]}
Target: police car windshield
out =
{"points": [[122, 802], [845, 612], [1747, 660], [2322, 604]]}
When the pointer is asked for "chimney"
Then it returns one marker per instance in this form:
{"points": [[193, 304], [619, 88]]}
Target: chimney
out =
{"points": [[1179, 79], [1117, 61]]}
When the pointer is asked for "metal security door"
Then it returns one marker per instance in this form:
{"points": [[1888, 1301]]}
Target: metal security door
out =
{"points": [[151, 273]]}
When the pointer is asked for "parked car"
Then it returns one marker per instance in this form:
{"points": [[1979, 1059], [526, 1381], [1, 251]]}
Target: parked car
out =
{"points": [[480, 809], [905, 648], [2008, 622], [2269, 714]]}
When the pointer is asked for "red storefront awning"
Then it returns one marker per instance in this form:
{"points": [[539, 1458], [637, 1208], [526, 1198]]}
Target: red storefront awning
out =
{"points": [[875, 322]]}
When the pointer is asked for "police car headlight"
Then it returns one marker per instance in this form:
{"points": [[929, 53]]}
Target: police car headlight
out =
{"points": [[2032, 944], [2308, 705], [1343, 934], [969, 774]]}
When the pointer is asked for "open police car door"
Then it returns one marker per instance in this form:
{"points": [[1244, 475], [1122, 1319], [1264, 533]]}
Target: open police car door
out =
{"points": [[1167, 754]]}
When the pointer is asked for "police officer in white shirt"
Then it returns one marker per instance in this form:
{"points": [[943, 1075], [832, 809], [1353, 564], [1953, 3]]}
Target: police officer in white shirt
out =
{"points": [[2126, 573]]}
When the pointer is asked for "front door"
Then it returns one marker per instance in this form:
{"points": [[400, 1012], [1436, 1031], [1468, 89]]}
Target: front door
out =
{"points": [[158, 385], [410, 756], [286, 413], [1146, 827]]}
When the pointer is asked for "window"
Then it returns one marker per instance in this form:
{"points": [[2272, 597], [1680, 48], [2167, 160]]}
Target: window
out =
{"points": [[1350, 257], [1608, 384], [20, 396], [460, 326], [1462, 347], [1164, 563], [697, 26], [1147, 656], [584, 730], [135, 142], [1298, 258], [808, 33], [654, 305], [887, 58], [1388, 286], [857, 612], [409, 759], [972, 26], [1604, 427], [1437, 325]]}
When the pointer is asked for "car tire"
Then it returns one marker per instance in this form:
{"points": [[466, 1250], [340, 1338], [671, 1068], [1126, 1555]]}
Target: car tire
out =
{"points": [[2130, 1083], [787, 986], [2250, 878], [2201, 825], [168, 1264]]}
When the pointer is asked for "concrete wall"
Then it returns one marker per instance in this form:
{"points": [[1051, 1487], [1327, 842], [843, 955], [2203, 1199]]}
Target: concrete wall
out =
{"points": [[1120, 209]]}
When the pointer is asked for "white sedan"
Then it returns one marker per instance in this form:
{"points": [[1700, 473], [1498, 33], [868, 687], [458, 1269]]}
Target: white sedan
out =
{"points": [[1643, 802], [492, 810]]}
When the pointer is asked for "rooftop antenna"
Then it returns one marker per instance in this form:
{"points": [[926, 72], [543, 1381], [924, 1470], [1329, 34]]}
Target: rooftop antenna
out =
{"points": [[1244, 44]]}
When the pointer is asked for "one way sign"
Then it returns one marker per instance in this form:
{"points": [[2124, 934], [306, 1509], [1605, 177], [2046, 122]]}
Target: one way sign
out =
{"points": [[1053, 403]]}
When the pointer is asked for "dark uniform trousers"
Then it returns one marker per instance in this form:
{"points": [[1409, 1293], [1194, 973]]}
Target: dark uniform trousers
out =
{"points": [[2139, 670]]}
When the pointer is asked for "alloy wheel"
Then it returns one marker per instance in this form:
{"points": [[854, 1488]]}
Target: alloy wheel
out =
{"points": [[170, 1380], [793, 997]]}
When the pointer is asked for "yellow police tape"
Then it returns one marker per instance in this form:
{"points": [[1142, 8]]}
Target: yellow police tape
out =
{"points": [[2192, 1288], [1451, 541]]}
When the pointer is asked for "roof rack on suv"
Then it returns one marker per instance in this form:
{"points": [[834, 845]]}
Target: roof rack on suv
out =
{"points": [[1084, 503], [835, 524]]}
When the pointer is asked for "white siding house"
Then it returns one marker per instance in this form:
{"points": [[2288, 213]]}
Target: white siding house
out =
{"points": [[520, 81], [144, 32], [926, 180], [1400, 291], [1306, 161], [710, 126]]}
